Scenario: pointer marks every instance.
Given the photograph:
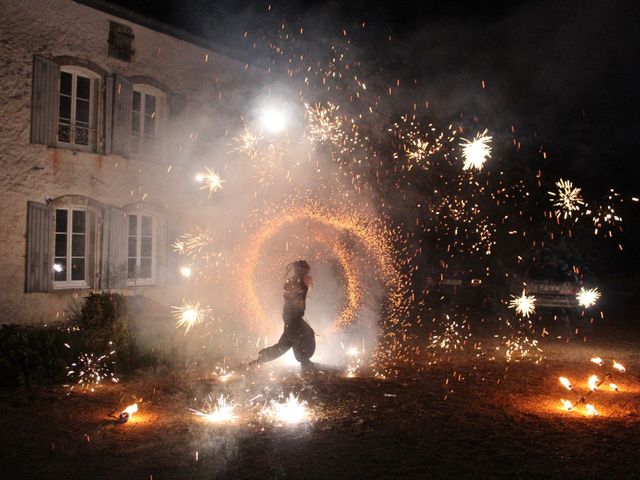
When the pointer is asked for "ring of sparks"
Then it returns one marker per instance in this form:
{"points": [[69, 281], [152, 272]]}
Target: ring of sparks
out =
{"points": [[372, 237]]}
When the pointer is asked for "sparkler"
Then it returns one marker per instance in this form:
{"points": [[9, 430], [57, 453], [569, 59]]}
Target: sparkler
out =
{"points": [[476, 152], [291, 411], [567, 199], [587, 298], [524, 305], [190, 314], [222, 411]]}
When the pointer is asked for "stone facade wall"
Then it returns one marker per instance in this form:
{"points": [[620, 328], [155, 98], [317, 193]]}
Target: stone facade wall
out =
{"points": [[212, 87]]}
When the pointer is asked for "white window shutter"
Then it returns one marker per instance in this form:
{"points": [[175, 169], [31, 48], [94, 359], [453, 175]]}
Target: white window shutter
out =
{"points": [[114, 249], [108, 115], [121, 123], [44, 100], [39, 262]]}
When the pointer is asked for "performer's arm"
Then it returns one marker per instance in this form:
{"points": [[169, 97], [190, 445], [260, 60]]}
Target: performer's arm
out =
{"points": [[308, 281]]}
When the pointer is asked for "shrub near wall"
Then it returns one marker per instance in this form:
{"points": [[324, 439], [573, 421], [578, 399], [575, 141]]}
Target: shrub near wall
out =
{"points": [[34, 354], [41, 354]]}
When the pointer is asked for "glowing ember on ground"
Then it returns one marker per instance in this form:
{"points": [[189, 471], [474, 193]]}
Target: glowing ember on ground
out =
{"points": [[475, 152], [566, 383], [524, 305], [188, 315], [291, 411], [588, 298], [219, 412]]}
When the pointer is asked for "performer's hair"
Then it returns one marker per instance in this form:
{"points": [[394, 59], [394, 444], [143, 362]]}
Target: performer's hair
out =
{"points": [[299, 267]]}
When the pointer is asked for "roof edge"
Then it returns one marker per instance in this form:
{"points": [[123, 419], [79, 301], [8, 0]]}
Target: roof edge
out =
{"points": [[153, 24]]}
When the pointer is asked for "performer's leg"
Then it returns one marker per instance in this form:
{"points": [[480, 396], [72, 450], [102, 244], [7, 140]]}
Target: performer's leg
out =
{"points": [[304, 345], [271, 353]]}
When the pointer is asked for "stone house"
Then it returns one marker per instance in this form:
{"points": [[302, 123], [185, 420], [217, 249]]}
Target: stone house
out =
{"points": [[103, 116]]}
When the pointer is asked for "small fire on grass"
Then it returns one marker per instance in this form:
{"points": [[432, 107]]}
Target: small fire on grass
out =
{"points": [[127, 413]]}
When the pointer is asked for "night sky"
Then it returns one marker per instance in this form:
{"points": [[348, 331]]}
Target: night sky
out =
{"points": [[564, 74]]}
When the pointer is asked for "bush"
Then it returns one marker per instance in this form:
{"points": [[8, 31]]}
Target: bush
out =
{"points": [[33, 354], [103, 324]]}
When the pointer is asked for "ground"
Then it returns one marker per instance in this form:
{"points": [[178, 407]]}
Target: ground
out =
{"points": [[463, 418]]}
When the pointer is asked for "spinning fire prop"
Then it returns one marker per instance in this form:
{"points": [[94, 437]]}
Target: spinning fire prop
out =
{"points": [[593, 383]]}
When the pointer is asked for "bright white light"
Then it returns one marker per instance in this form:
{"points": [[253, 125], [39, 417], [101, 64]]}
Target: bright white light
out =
{"points": [[57, 267], [587, 298], [186, 272], [291, 411], [273, 120], [199, 177]]}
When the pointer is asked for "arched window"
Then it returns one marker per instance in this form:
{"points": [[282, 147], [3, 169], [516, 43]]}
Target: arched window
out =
{"points": [[75, 221], [147, 119], [77, 108]]}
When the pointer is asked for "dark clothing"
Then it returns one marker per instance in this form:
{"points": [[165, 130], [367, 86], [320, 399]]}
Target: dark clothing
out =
{"points": [[297, 335], [297, 332]]}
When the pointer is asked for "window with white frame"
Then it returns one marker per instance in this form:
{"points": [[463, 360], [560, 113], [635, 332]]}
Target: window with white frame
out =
{"points": [[146, 119], [141, 257], [70, 248], [77, 108]]}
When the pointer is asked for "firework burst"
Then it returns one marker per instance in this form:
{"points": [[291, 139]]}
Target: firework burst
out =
{"points": [[454, 336], [587, 298], [211, 180], [188, 315], [567, 199], [323, 123], [90, 370], [476, 152], [524, 305]]}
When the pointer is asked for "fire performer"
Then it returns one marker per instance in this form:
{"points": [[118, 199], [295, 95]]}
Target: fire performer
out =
{"points": [[297, 332]]}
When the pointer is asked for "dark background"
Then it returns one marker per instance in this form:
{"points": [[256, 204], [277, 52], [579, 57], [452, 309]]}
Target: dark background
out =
{"points": [[563, 74]]}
